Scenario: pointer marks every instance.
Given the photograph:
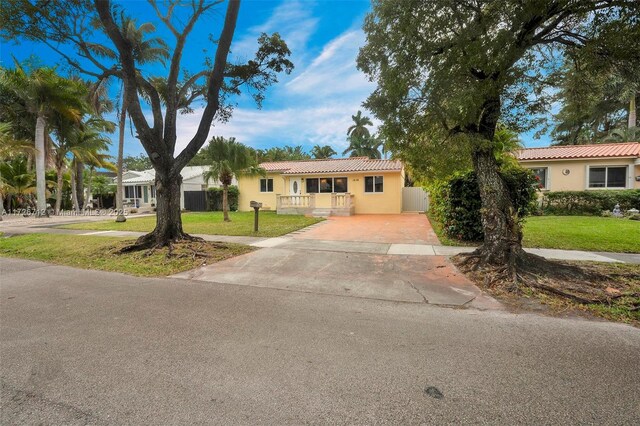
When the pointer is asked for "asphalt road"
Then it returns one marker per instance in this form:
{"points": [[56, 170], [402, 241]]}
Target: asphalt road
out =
{"points": [[86, 347]]}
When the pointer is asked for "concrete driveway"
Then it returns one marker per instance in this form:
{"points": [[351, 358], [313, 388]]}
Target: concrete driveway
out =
{"points": [[84, 347], [370, 256], [375, 228]]}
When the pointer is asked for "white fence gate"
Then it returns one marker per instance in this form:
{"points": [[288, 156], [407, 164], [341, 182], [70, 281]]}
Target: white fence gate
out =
{"points": [[414, 199]]}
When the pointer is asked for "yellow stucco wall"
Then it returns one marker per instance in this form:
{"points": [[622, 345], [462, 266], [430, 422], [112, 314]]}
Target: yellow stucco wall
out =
{"points": [[249, 188], [576, 180], [387, 202]]}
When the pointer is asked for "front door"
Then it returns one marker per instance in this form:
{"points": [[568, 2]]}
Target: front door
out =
{"points": [[295, 186]]}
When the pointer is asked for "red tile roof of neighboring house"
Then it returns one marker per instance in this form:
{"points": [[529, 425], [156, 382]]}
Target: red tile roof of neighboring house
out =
{"points": [[332, 165], [608, 150]]}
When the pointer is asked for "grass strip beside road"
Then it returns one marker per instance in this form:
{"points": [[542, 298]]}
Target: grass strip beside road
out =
{"points": [[92, 252]]}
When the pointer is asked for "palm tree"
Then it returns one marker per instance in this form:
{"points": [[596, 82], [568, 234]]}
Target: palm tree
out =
{"points": [[16, 181], [363, 147], [76, 144], [44, 92], [623, 134], [9, 147], [229, 158], [145, 50], [359, 127], [505, 143], [322, 151]]}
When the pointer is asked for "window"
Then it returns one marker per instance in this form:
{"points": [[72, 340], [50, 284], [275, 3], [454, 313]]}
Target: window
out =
{"points": [[133, 191], [266, 185], [608, 177], [340, 184], [373, 184], [541, 174], [326, 185], [312, 186]]}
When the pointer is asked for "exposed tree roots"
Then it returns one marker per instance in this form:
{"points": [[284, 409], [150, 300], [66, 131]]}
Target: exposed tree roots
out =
{"points": [[518, 270], [153, 241]]}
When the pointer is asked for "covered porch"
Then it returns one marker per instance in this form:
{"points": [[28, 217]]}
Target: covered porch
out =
{"points": [[337, 204]]}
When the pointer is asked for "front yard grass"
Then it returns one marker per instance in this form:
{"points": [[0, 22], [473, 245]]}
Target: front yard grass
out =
{"points": [[92, 252], [589, 233], [212, 223]]}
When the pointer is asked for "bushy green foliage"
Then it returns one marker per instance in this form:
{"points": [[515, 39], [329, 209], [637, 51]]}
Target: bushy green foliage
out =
{"points": [[456, 202], [214, 197], [589, 202]]}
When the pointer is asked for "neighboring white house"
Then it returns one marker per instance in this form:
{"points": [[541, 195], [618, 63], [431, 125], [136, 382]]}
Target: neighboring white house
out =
{"points": [[140, 186]]}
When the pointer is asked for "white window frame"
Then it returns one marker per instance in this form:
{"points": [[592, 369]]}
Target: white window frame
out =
{"points": [[606, 177], [266, 185], [546, 176], [374, 184]]}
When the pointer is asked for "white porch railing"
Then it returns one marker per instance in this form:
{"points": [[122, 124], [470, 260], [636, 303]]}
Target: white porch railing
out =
{"points": [[296, 201], [341, 201]]}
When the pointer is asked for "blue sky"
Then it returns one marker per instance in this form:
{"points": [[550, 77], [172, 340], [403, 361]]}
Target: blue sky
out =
{"points": [[311, 106]]}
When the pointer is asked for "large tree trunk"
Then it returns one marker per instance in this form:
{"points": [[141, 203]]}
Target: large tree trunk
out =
{"points": [[41, 192], [632, 112], [225, 202], [502, 234], [59, 190], [168, 219], [80, 184], [119, 188], [89, 189]]}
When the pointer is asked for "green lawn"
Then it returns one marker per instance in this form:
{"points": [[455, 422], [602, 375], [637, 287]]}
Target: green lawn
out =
{"points": [[590, 233], [92, 252], [271, 224]]}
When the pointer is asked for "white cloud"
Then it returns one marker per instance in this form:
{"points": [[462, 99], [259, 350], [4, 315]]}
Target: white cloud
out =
{"points": [[292, 19], [334, 70]]}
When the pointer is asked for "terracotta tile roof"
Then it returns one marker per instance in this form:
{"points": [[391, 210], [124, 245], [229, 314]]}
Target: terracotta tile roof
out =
{"points": [[627, 149], [333, 165]]}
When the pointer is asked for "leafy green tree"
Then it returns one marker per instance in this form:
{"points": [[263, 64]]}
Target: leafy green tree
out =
{"points": [[44, 93], [137, 162], [448, 72], [17, 182], [359, 127], [320, 152], [214, 86], [228, 158]]}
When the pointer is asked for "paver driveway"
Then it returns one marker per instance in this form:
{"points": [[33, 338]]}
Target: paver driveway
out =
{"points": [[352, 256], [378, 228]]}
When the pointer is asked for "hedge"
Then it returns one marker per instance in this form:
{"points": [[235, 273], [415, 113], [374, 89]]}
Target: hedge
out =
{"points": [[456, 202], [589, 202], [214, 197]]}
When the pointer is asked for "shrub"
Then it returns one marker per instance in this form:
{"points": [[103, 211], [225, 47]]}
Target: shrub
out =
{"points": [[589, 202], [456, 202], [214, 197]]}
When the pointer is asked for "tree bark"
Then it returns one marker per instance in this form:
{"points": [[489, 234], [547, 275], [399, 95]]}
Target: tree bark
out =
{"points": [[502, 233], [74, 190], [168, 218], [89, 188], [41, 192], [60, 183], [80, 184], [632, 112], [120, 217], [225, 202]]}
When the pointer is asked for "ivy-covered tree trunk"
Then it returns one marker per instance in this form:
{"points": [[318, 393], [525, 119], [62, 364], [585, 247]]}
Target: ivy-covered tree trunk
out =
{"points": [[502, 233]]}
